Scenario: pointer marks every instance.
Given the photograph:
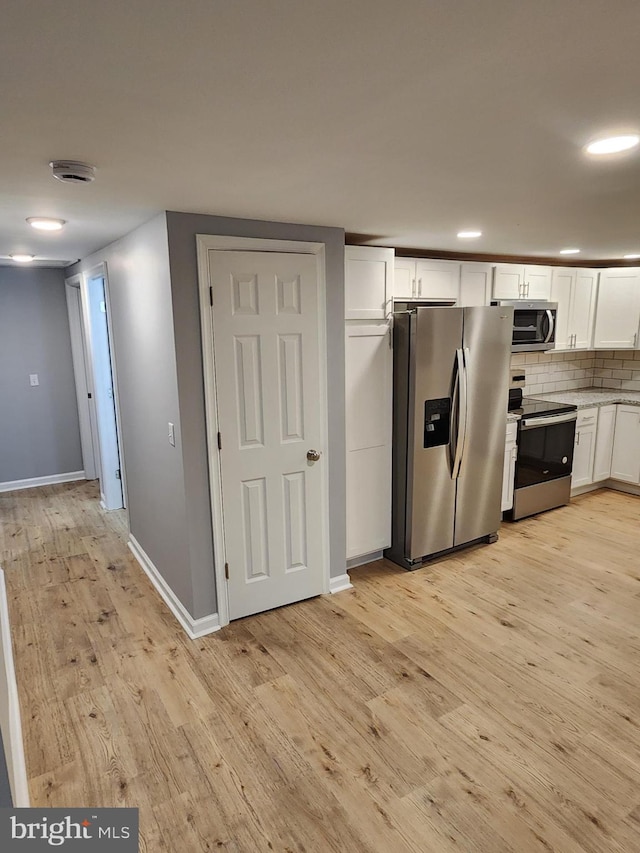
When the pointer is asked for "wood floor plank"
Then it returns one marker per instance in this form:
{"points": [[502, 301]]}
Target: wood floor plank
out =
{"points": [[487, 703]]}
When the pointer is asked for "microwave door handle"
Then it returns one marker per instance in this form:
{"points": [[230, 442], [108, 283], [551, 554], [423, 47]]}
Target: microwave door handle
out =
{"points": [[462, 413], [552, 325]]}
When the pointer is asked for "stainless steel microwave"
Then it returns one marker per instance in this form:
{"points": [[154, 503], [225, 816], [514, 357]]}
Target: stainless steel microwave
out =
{"points": [[534, 324]]}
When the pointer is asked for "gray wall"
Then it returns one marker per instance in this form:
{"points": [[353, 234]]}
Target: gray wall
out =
{"points": [[182, 229], [39, 430], [144, 346]]}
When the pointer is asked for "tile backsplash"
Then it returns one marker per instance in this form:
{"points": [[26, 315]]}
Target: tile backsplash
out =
{"points": [[567, 371]]}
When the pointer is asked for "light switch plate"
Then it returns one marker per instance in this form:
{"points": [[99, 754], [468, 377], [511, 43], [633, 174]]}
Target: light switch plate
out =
{"points": [[33, 379], [172, 435]]}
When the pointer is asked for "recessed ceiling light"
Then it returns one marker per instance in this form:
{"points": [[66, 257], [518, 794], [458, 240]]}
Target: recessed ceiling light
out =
{"points": [[45, 223], [631, 257], [569, 251], [469, 235], [613, 144], [22, 259]]}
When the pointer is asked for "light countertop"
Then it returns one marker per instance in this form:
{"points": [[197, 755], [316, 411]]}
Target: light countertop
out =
{"points": [[585, 398]]}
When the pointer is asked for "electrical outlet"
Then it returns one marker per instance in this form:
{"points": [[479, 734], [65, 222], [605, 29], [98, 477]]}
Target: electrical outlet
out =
{"points": [[172, 435], [33, 379]]}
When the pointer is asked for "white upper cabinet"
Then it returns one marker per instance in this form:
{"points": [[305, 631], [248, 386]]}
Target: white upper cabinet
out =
{"points": [[475, 284], [425, 279], [404, 282], [438, 279], [368, 282], [618, 309], [575, 292], [521, 281]]}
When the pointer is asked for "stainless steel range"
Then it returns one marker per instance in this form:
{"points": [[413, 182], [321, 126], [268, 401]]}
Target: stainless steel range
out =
{"points": [[546, 436]]}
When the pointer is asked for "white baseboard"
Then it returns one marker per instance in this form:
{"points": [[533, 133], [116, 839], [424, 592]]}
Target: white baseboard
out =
{"points": [[34, 482], [340, 583], [194, 628], [614, 485], [10, 723], [363, 559]]}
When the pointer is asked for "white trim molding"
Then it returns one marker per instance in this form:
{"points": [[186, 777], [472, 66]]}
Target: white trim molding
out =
{"points": [[34, 482], [10, 722], [340, 583], [194, 628]]}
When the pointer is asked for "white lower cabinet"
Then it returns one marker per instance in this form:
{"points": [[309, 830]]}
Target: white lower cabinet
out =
{"points": [[368, 358], [585, 448], [604, 443], [625, 459], [509, 471]]}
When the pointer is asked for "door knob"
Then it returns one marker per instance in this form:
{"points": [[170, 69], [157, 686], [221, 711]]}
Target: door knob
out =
{"points": [[313, 455]]}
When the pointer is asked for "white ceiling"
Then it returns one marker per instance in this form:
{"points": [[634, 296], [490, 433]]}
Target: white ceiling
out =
{"points": [[404, 121]]}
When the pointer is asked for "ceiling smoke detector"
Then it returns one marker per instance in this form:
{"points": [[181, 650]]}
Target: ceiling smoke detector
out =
{"points": [[73, 172]]}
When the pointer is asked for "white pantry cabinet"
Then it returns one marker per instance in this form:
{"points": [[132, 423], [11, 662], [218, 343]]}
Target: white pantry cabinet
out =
{"points": [[574, 289], [475, 284], [368, 358], [368, 282], [422, 278], [585, 448], [625, 459], [604, 443], [618, 309], [509, 470], [521, 281]]}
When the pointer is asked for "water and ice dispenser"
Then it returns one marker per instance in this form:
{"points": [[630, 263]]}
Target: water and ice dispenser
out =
{"points": [[437, 422]]}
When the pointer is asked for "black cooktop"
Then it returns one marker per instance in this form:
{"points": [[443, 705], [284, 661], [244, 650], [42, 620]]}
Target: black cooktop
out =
{"points": [[532, 408]]}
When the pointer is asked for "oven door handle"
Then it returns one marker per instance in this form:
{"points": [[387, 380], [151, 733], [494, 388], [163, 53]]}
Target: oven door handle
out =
{"points": [[552, 325], [533, 423], [462, 412]]}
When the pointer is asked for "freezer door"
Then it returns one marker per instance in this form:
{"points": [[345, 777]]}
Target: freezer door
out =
{"points": [[433, 433], [487, 354]]}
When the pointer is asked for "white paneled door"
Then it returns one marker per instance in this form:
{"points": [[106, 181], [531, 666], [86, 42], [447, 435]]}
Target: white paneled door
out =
{"points": [[270, 402]]}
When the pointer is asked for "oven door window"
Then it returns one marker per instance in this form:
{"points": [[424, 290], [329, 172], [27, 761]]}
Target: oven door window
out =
{"points": [[544, 453]]}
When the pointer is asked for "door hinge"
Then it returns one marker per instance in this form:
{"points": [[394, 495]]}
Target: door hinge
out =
{"points": [[118, 474], [211, 296], [219, 441], [89, 395], [226, 570]]}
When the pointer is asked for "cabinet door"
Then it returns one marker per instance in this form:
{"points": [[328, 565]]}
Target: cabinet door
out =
{"points": [[625, 459], [617, 309], [537, 282], [583, 305], [438, 280], [404, 283], [368, 279], [562, 286], [604, 443], [475, 284], [368, 437], [583, 456], [508, 280]]}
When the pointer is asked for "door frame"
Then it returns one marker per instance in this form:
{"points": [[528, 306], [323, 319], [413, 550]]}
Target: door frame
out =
{"points": [[204, 244], [100, 271], [79, 355]]}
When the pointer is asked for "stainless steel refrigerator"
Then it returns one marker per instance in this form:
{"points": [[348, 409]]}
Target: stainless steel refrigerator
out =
{"points": [[450, 389]]}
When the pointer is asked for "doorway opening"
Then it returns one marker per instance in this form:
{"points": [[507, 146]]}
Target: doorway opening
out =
{"points": [[88, 304]]}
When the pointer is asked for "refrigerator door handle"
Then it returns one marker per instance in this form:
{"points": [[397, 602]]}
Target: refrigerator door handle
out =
{"points": [[462, 412]]}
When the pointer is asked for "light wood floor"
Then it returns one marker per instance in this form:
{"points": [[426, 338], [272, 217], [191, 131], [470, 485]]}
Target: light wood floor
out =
{"points": [[490, 703]]}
